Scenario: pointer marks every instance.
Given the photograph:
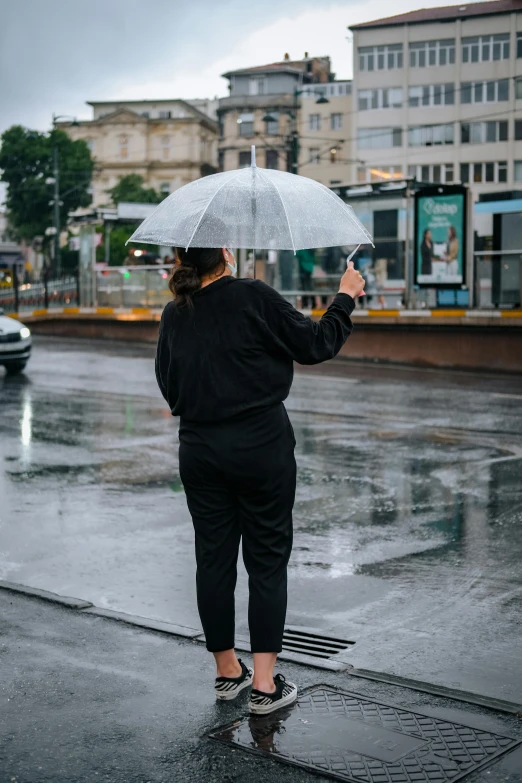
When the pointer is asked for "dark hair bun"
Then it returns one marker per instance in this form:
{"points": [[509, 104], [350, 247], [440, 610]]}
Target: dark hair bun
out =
{"points": [[184, 282], [194, 264]]}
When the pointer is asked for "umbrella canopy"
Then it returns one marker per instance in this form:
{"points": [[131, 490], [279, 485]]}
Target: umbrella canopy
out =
{"points": [[253, 208]]}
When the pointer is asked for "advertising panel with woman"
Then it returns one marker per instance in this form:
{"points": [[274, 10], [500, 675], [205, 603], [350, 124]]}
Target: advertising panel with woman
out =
{"points": [[440, 222]]}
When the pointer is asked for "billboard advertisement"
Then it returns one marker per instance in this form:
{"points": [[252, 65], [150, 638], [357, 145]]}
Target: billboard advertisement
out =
{"points": [[440, 236]]}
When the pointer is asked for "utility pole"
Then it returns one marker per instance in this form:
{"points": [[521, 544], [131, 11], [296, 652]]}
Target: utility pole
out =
{"points": [[294, 140], [55, 180], [294, 133], [56, 205]]}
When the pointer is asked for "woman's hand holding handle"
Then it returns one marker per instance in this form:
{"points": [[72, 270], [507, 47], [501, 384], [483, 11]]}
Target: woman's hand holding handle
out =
{"points": [[352, 282]]}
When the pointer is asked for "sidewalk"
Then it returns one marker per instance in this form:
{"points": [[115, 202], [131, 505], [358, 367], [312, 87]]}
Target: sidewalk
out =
{"points": [[84, 699]]}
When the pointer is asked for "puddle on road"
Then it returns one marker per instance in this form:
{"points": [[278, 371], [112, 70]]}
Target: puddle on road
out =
{"points": [[349, 738]]}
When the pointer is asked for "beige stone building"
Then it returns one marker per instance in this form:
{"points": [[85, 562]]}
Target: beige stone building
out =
{"points": [[438, 96], [325, 129], [168, 142]]}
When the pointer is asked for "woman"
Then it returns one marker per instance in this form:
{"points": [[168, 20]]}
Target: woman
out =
{"points": [[306, 263], [225, 364], [452, 252], [426, 250]]}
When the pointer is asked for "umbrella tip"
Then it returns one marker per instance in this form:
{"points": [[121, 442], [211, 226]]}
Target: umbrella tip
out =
{"points": [[253, 162]]}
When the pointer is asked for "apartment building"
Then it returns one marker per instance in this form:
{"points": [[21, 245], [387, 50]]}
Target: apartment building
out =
{"points": [[263, 108], [438, 96], [168, 142], [325, 129]]}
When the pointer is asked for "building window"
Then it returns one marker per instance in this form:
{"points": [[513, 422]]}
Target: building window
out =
{"points": [[518, 88], [483, 132], [165, 188], [257, 85], [436, 172], [484, 92], [484, 172], [272, 159], [431, 95], [314, 156], [518, 171], [430, 135], [221, 160], [165, 146], [483, 48], [272, 127], [379, 173], [518, 130], [314, 122], [381, 98], [519, 44], [336, 121], [378, 138], [221, 126], [165, 115], [244, 159], [124, 147], [426, 53], [145, 114], [380, 58], [90, 145], [246, 124]]}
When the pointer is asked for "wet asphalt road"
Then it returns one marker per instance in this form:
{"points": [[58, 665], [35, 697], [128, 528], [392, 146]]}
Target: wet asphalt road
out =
{"points": [[408, 534], [89, 699]]}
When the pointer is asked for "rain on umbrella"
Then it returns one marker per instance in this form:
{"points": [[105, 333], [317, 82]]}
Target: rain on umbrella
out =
{"points": [[253, 208]]}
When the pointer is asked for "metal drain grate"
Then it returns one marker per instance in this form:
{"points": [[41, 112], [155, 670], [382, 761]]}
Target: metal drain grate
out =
{"points": [[353, 739], [309, 642]]}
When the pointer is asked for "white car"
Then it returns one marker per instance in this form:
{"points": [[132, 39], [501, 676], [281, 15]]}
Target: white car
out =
{"points": [[15, 344]]}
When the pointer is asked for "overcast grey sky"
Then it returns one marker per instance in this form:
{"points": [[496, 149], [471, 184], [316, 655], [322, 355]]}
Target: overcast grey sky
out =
{"points": [[57, 54]]}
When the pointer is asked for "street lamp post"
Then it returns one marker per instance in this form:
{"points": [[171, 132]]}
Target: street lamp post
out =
{"points": [[293, 165], [56, 194], [294, 134]]}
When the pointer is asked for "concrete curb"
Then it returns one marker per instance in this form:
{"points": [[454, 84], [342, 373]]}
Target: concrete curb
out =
{"points": [[35, 592], [180, 631], [145, 622], [242, 643]]}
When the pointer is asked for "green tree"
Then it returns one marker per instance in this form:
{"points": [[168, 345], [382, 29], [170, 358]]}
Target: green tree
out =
{"points": [[26, 161], [130, 188]]}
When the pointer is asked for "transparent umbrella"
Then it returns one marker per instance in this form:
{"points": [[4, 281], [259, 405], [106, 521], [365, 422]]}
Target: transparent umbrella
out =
{"points": [[253, 208]]}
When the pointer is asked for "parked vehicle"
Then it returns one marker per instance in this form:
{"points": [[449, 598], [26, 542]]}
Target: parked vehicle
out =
{"points": [[15, 344]]}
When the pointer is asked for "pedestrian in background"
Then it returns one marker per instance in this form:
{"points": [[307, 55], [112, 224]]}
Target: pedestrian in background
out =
{"points": [[286, 269], [224, 364], [306, 262]]}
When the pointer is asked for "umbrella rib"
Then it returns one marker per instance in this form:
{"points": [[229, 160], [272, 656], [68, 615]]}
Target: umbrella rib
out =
{"points": [[283, 205], [323, 187], [209, 203]]}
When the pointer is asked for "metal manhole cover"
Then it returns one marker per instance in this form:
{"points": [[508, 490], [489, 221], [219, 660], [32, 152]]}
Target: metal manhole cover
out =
{"points": [[350, 738]]}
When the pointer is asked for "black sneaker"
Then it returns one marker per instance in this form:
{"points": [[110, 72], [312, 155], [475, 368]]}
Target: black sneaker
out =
{"points": [[228, 687], [285, 693]]}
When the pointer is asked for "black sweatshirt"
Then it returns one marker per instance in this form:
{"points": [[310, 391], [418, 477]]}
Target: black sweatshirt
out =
{"points": [[234, 350]]}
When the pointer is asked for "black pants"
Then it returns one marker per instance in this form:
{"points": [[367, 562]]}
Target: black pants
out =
{"points": [[239, 477]]}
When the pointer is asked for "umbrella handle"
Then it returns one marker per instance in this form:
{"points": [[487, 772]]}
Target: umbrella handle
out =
{"points": [[363, 293], [352, 255]]}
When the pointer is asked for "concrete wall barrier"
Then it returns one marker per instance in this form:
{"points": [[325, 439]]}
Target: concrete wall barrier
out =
{"points": [[487, 340]]}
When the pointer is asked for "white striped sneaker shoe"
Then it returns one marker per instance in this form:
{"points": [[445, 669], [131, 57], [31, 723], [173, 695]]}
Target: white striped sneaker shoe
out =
{"points": [[262, 703], [228, 687]]}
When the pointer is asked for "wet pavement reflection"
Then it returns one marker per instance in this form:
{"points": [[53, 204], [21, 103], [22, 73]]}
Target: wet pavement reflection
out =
{"points": [[408, 518]]}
